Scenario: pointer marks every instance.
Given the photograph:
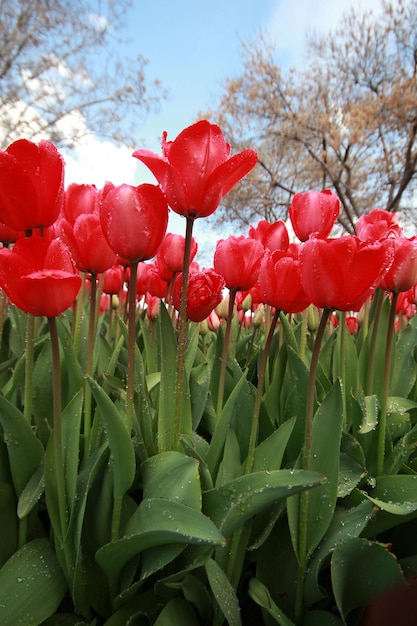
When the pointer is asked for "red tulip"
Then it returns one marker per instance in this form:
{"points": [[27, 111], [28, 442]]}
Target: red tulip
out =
{"points": [[342, 273], [378, 225], [352, 324], [134, 220], [205, 292], [402, 275], [80, 199], [196, 170], [39, 276], [171, 252], [155, 284], [280, 282], [273, 236], [31, 185], [314, 213], [113, 279], [87, 243], [238, 260]]}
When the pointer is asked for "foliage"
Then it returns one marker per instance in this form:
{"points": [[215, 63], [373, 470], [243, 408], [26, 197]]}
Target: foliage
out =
{"points": [[345, 121], [157, 530], [63, 72]]}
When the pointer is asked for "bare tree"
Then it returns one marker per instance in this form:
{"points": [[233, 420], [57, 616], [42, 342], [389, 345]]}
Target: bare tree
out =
{"points": [[347, 121], [64, 72]]}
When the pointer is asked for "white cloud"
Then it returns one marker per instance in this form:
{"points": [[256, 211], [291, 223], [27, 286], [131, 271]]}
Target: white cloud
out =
{"points": [[291, 20]]}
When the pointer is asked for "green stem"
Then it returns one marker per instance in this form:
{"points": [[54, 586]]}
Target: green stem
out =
{"points": [[89, 362], [130, 390], [182, 329], [306, 462], [259, 393], [57, 440], [225, 353], [28, 394], [79, 312], [372, 348], [382, 423], [342, 335]]}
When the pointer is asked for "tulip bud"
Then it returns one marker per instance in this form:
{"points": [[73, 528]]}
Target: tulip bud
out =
{"points": [[203, 327], [259, 316], [313, 319]]}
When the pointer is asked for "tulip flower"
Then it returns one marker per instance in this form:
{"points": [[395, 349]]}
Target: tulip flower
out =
{"points": [[39, 276], [205, 289], [280, 282], [31, 185], [87, 243], [273, 236], [171, 252], [402, 275], [134, 220], [196, 170], [342, 273], [238, 260], [314, 213], [377, 225], [113, 280], [80, 199]]}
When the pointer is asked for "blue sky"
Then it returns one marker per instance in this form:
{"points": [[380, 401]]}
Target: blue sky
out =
{"points": [[192, 46]]}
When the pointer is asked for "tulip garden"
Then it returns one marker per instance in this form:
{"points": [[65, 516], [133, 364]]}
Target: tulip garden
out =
{"points": [[182, 445]]}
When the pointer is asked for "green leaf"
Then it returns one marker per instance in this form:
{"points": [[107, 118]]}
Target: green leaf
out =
{"points": [[33, 491], [351, 465], [157, 522], [269, 453], [403, 373], [71, 424], [120, 442], [32, 585], [360, 571], [233, 503], [8, 522], [370, 409], [223, 592], [346, 524], [327, 430], [260, 594], [172, 476], [24, 449], [395, 494], [215, 451], [177, 611]]}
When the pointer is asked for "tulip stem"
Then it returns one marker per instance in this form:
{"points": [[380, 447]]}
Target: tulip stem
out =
{"points": [[372, 348], [131, 344], [306, 462], [225, 352], [57, 440], [259, 393], [89, 362], [30, 332], [182, 328], [382, 424]]}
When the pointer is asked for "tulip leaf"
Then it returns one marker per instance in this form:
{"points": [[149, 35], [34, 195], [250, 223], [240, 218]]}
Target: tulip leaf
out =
{"points": [[177, 611], [223, 592], [157, 522], [345, 524], [395, 494], [260, 594], [24, 449], [32, 585], [327, 427], [232, 504], [32, 492], [120, 442], [172, 476], [218, 439], [403, 374], [360, 571], [8, 522], [370, 409]]}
